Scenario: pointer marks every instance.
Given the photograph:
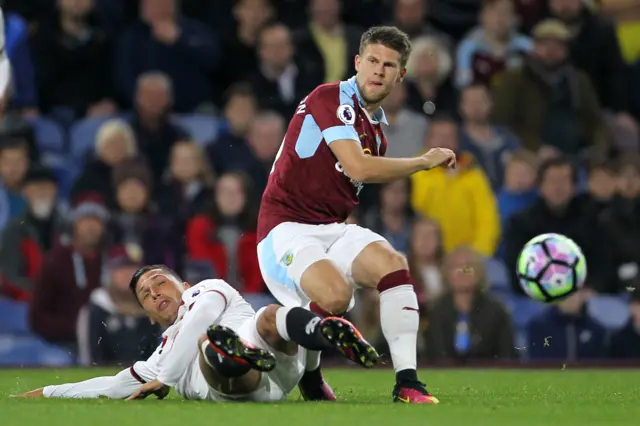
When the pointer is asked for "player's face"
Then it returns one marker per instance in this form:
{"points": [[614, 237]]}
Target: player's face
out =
{"points": [[160, 294], [378, 71]]}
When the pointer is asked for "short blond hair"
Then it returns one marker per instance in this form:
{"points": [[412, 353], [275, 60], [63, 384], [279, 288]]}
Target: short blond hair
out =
{"points": [[430, 45], [113, 128]]}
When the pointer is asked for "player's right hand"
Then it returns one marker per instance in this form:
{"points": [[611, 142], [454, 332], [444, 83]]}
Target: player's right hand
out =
{"points": [[439, 156]]}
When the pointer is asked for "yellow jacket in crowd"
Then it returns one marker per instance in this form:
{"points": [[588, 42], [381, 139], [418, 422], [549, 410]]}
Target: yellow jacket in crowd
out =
{"points": [[462, 201]]}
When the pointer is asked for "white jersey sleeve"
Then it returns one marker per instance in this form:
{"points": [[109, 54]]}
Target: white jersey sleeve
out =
{"points": [[203, 305], [120, 386]]}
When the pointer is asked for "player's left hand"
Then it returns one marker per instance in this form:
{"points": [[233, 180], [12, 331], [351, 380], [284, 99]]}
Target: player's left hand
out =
{"points": [[36, 393], [155, 387]]}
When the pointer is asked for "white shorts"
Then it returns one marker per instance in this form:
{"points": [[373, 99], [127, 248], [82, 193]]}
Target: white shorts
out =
{"points": [[290, 248], [278, 383]]}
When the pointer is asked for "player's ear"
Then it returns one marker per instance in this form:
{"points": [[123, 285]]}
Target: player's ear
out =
{"points": [[186, 285], [403, 73], [356, 62]]}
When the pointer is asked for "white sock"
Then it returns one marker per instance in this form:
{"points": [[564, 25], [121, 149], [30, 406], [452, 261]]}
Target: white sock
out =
{"points": [[313, 360], [400, 325], [281, 323]]}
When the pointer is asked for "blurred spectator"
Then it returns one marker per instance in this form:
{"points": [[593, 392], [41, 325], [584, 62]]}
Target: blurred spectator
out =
{"points": [[407, 129], [71, 271], [182, 48], [595, 50], [530, 12], [601, 184], [28, 237], [136, 219], [560, 210], [393, 216], [467, 322], [240, 43], [411, 16], [429, 76], [154, 132], [548, 101], [492, 47], [115, 142], [490, 145], [72, 57], [519, 190], [626, 15], [460, 199], [231, 150], [14, 164], [625, 343], [226, 234], [187, 185], [454, 17], [566, 332], [280, 82], [327, 43], [622, 222], [265, 138], [425, 260], [112, 327], [24, 94]]}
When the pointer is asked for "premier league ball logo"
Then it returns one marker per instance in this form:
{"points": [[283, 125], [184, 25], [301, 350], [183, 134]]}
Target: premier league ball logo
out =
{"points": [[346, 114]]}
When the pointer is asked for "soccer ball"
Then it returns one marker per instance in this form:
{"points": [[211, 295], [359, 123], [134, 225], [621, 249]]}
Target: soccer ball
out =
{"points": [[551, 267]]}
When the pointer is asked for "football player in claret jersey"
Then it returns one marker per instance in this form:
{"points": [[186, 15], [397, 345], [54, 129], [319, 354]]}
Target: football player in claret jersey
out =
{"points": [[216, 348], [308, 255]]}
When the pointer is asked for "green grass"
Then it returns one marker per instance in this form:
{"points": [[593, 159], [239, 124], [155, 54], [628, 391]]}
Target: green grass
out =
{"points": [[467, 397]]}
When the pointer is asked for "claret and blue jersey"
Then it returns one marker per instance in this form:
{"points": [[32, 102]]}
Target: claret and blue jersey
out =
{"points": [[307, 183]]}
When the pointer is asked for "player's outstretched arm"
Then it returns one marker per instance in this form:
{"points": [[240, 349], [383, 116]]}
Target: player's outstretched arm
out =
{"points": [[368, 169], [119, 386]]}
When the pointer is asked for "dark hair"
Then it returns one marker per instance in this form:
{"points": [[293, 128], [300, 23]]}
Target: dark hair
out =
{"points": [[240, 89], [556, 163], [270, 26], [143, 270], [390, 37], [14, 143]]}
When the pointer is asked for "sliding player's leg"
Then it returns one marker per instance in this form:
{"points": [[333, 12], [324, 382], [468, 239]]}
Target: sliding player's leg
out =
{"points": [[377, 265], [230, 366]]}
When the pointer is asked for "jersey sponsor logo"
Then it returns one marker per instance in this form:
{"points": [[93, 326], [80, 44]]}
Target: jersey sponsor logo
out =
{"points": [[356, 183], [311, 326], [346, 114]]}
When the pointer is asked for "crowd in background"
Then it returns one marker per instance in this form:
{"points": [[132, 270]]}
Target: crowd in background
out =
{"points": [[540, 99]]}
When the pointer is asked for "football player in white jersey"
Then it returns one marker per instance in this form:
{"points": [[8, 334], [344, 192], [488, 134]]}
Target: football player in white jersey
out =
{"points": [[216, 347]]}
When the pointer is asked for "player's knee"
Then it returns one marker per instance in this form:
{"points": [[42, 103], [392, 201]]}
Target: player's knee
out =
{"points": [[268, 330], [336, 298], [266, 324], [396, 273]]}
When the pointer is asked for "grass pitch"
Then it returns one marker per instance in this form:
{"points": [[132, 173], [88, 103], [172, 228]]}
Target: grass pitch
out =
{"points": [[467, 397]]}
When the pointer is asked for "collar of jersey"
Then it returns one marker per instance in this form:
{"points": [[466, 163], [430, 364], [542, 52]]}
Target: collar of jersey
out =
{"points": [[379, 116]]}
